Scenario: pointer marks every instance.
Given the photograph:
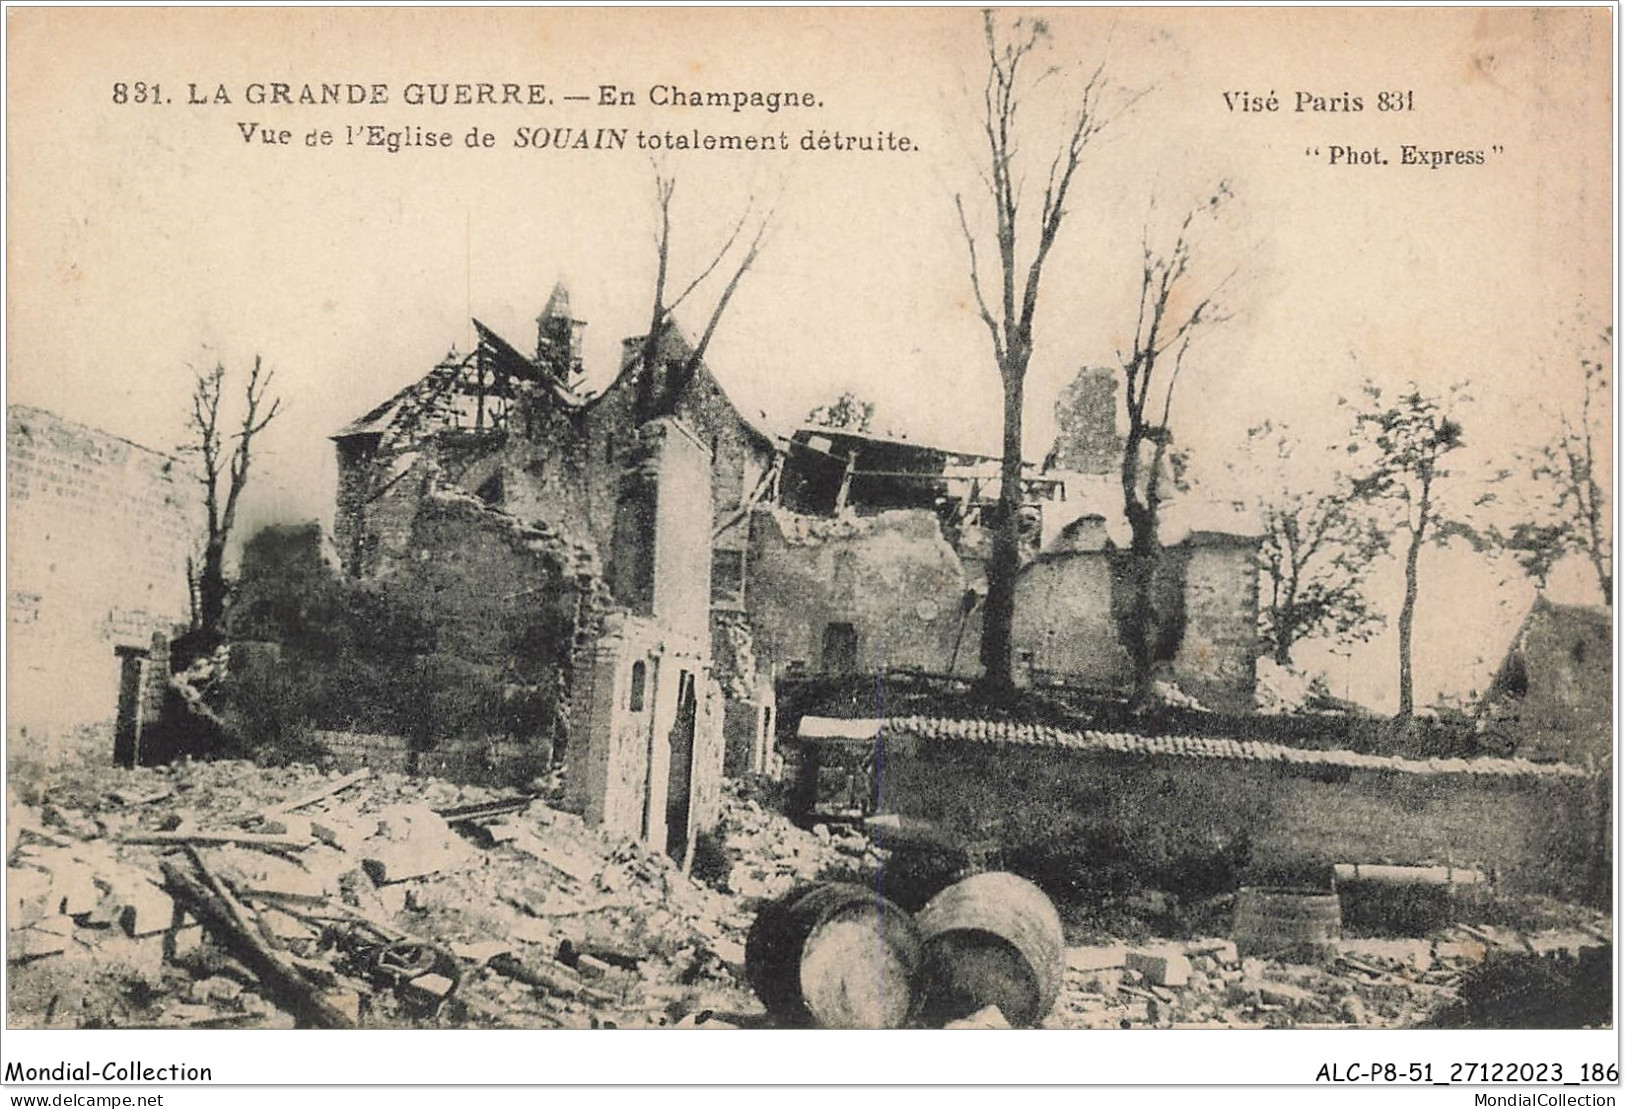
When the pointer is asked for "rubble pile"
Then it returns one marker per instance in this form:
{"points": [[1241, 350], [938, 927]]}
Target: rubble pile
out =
{"points": [[178, 896], [768, 856], [221, 894], [1368, 983]]}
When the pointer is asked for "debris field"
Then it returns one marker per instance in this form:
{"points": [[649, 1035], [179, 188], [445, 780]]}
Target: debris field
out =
{"points": [[222, 894]]}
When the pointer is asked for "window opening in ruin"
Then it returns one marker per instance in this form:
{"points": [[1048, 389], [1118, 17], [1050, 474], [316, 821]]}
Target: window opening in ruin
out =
{"points": [[634, 701], [490, 490], [680, 776], [648, 728], [728, 579], [840, 649], [764, 739]]}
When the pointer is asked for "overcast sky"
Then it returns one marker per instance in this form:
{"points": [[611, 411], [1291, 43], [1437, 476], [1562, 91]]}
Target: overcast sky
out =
{"points": [[146, 240]]}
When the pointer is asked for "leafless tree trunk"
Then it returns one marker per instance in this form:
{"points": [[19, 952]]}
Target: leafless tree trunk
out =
{"points": [[225, 460], [1167, 321], [656, 392], [1008, 310]]}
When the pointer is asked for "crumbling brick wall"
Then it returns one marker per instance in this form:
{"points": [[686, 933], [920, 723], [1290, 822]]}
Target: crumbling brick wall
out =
{"points": [[99, 533]]}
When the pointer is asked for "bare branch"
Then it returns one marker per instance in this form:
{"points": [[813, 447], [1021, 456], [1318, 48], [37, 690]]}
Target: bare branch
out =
{"points": [[976, 281], [733, 237], [253, 423], [728, 290]]}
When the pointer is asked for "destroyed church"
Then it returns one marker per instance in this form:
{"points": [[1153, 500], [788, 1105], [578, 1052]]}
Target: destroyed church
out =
{"points": [[497, 478]]}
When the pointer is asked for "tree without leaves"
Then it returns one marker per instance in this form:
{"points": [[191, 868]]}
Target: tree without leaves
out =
{"points": [[1572, 512], [1169, 318], [651, 401], [227, 460], [1403, 443], [1009, 311], [1318, 546]]}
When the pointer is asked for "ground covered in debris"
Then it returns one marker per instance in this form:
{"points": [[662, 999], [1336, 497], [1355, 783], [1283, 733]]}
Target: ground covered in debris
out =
{"points": [[222, 894]]}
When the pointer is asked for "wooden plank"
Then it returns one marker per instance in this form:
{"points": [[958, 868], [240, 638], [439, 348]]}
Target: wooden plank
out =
{"points": [[338, 785], [205, 839]]}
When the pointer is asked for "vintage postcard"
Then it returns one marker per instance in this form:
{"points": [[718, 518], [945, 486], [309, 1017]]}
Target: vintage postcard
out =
{"points": [[1086, 520]]}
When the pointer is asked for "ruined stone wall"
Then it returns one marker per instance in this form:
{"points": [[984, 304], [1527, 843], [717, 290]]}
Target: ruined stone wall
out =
{"points": [[682, 536], [625, 706], [1063, 616], [710, 749], [1208, 597], [737, 459], [1086, 439], [98, 536], [1532, 833], [1217, 658], [1567, 706], [492, 585], [547, 475], [892, 578]]}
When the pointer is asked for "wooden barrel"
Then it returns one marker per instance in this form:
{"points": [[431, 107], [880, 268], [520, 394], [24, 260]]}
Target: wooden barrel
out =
{"points": [[992, 939], [1284, 923], [834, 955]]}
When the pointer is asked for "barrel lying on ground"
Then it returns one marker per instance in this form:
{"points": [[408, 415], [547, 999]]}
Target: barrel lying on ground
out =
{"points": [[834, 955], [992, 939]]}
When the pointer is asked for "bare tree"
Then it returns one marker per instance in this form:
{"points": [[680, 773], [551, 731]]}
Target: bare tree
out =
{"points": [[1008, 309], [1318, 545], [1169, 318], [1404, 442], [223, 457], [1570, 515], [652, 400]]}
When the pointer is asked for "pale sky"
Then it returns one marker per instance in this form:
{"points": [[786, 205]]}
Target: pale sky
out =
{"points": [[147, 240]]}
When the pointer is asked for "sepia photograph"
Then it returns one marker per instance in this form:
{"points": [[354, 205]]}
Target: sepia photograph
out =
{"points": [[919, 519]]}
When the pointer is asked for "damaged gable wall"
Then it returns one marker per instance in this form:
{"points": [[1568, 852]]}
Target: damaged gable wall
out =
{"points": [[1553, 696], [857, 593]]}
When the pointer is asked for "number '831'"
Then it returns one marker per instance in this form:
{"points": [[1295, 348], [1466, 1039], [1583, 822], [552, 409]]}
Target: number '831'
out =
{"points": [[137, 93]]}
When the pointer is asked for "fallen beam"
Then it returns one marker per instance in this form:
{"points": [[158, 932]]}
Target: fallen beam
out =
{"points": [[218, 912], [481, 810], [336, 786], [1407, 875], [555, 978], [207, 839]]}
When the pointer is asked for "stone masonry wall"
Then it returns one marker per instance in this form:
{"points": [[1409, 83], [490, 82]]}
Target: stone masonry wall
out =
{"points": [[891, 577], [98, 537], [1532, 833]]}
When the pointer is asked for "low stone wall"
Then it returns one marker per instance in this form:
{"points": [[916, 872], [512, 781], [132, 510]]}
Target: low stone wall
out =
{"points": [[353, 750], [1170, 815]]}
